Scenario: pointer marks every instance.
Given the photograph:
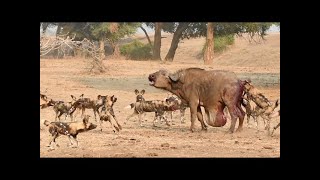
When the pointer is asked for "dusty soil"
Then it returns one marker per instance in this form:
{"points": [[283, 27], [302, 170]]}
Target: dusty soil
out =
{"points": [[62, 78]]}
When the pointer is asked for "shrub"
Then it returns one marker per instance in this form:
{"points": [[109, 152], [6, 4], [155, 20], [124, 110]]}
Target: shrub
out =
{"points": [[136, 50], [220, 43]]}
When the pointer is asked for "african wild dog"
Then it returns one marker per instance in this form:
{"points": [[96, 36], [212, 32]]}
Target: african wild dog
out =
{"points": [[71, 129], [108, 116], [140, 97], [103, 102], [107, 113], [273, 115], [61, 107], [157, 106], [182, 107], [261, 106], [43, 101]]}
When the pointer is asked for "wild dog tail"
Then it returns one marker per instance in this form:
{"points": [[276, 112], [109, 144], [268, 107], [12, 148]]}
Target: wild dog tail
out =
{"points": [[46, 122], [244, 102], [130, 106]]}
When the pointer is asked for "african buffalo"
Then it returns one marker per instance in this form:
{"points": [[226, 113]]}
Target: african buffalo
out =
{"points": [[212, 89]]}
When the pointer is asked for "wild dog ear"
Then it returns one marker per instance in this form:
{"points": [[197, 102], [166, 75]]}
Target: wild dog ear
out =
{"points": [[277, 102], [136, 91], [74, 98], [113, 98], [99, 96], [247, 81], [86, 119], [44, 97], [142, 91], [174, 77]]}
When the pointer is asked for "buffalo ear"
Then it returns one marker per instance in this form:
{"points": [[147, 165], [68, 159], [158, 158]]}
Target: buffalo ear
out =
{"points": [[174, 77], [136, 91]]}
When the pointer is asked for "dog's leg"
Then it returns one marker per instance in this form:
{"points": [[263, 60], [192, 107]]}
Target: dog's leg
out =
{"points": [[155, 119], [130, 116], [274, 128], [115, 119], [165, 119], [53, 141], [140, 122], [75, 138], [112, 127], [101, 121], [57, 113], [70, 139], [60, 114], [82, 114], [95, 116]]}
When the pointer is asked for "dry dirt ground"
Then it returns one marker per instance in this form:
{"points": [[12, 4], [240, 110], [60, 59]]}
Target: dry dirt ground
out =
{"points": [[62, 78]]}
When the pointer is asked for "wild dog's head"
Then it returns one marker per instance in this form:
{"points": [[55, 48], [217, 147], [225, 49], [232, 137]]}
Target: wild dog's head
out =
{"points": [[101, 100], [51, 102], [43, 97], [87, 125], [139, 97], [110, 100], [172, 104]]}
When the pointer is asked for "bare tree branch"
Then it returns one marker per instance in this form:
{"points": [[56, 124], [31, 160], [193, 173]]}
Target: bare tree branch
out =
{"points": [[48, 44]]}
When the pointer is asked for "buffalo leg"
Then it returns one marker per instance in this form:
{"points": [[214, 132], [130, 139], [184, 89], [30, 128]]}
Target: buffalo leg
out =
{"points": [[193, 111], [233, 114], [241, 115], [200, 118]]}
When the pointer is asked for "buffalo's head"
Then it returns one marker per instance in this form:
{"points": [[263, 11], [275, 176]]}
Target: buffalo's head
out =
{"points": [[163, 79]]}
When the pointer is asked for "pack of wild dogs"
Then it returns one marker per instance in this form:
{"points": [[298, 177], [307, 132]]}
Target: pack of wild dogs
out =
{"points": [[218, 92]]}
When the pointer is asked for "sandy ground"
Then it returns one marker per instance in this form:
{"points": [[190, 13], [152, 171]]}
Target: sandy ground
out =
{"points": [[62, 78]]}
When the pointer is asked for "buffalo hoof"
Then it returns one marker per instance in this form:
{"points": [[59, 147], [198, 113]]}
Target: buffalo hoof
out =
{"points": [[229, 131], [239, 129], [204, 129]]}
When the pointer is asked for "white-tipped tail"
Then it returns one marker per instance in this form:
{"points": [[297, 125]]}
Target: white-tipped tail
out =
{"points": [[128, 107], [42, 121]]}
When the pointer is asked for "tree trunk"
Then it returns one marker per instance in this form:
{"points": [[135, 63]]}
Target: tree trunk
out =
{"points": [[44, 27], [58, 29], [157, 42], [175, 41], [145, 32], [209, 49], [116, 50], [101, 45]]}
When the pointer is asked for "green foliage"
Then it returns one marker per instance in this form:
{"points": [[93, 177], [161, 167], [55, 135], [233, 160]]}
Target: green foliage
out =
{"points": [[96, 31], [100, 30], [221, 43], [220, 29], [136, 50]]}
